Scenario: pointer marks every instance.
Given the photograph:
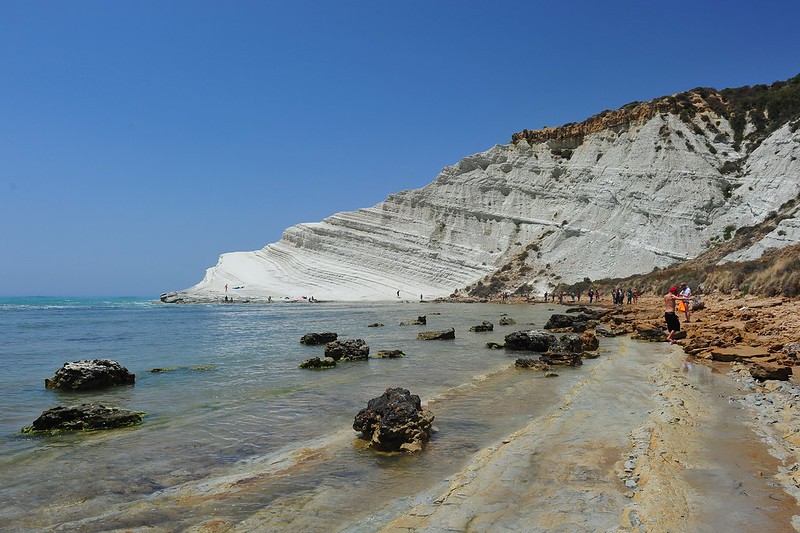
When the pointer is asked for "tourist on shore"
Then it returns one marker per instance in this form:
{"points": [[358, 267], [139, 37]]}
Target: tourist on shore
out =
{"points": [[686, 306], [671, 318]]}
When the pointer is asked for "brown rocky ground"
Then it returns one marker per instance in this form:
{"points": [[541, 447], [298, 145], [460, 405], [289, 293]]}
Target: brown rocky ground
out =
{"points": [[762, 333]]}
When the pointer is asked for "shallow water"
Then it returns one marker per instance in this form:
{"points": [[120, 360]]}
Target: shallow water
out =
{"points": [[251, 442], [250, 403]]}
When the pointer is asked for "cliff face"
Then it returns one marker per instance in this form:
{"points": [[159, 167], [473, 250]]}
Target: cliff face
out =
{"points": [[619, 194]]}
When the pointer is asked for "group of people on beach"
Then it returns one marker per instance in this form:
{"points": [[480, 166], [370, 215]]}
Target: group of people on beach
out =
{"points": [[618, 296], [675, 302]]}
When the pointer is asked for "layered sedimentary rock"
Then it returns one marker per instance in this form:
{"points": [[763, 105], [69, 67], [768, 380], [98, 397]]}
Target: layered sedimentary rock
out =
{"points": [[624, 192]]}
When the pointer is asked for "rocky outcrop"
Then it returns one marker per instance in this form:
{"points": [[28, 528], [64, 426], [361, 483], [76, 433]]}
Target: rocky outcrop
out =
{"points": [[420, 321], [483, 326], [83, 417], [347, 350], [389, 354], [317, 363], [441, 335], [507, 321], [90, 374], [533, 341], [590, 199], [318, 338], [395, 421]]}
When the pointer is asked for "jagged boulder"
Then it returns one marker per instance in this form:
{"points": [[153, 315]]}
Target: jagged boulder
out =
{"points": [[89, 375], [590, 341], [577, 322], [395, 421], [317, 363], [318, 338], [420, 321], [533, 340], [442, 335], [84, 417], [569, 343], [389, 354], [507, 321], [347, 350], [483, 326]]}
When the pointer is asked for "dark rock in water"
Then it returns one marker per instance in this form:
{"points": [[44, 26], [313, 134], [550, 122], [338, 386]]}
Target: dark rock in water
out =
{"points": [[420, 321], [535, 364], [534, 340], [495, 346], [765, 371], [577, 322], [569, 343], [395, 421], [562, 359], [347, 350], [483, 326], [318, 338], [442, 335], [198, 368], [507, 321], [389, 354], [87, 416], [579, 310], [603, 332], [90, 374], [317, 363], [590, 341], [375, 325], [652, 335]]}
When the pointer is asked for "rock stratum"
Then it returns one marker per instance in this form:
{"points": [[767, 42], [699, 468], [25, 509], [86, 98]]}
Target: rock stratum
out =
{"points": [[624, 192]]}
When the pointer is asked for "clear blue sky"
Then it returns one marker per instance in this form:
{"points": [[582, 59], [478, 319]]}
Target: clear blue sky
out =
{"points": [[140, 140]]}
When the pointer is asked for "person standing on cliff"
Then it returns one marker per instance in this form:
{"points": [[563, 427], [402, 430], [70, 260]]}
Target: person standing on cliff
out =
{"points": [[673, 324]]}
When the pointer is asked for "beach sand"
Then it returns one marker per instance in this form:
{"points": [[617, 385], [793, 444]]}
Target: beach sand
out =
{"points": [[681, 446]]}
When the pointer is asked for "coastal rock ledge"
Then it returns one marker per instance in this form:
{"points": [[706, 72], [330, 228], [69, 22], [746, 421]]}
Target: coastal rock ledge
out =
{"points": [[395, 421], [90, 374], [83, 417]]}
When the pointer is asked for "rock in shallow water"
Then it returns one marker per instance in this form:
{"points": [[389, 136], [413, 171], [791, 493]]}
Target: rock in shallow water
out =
{"points": [[84, 417], [395, 421], [347, 350], [90, 374]]}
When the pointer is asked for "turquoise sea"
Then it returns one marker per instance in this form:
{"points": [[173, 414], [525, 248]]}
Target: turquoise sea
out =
{"points": [[236, 429]]}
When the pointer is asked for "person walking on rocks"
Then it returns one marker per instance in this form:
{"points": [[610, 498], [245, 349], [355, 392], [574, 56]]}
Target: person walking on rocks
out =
{"points": [[673, 324]]}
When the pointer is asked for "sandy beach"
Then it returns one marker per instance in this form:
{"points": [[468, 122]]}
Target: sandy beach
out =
{"points": [[695, 444]]}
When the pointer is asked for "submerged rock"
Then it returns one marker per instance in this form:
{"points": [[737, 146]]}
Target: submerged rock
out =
{"points": [[317, 363], [389, 354], [90, 374], [534, 364], [483, 326], [446, 334], [420, 321], [395, 421], [375, 325], [347, 350], [84, 417], [318, 338]]}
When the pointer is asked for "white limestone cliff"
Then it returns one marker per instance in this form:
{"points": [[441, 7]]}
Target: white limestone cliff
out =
{"points": [[623, 199]]}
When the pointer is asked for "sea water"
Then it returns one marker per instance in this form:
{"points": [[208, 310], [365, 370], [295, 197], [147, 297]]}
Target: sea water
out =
{"points": [[233, 400], [237, 438]]}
